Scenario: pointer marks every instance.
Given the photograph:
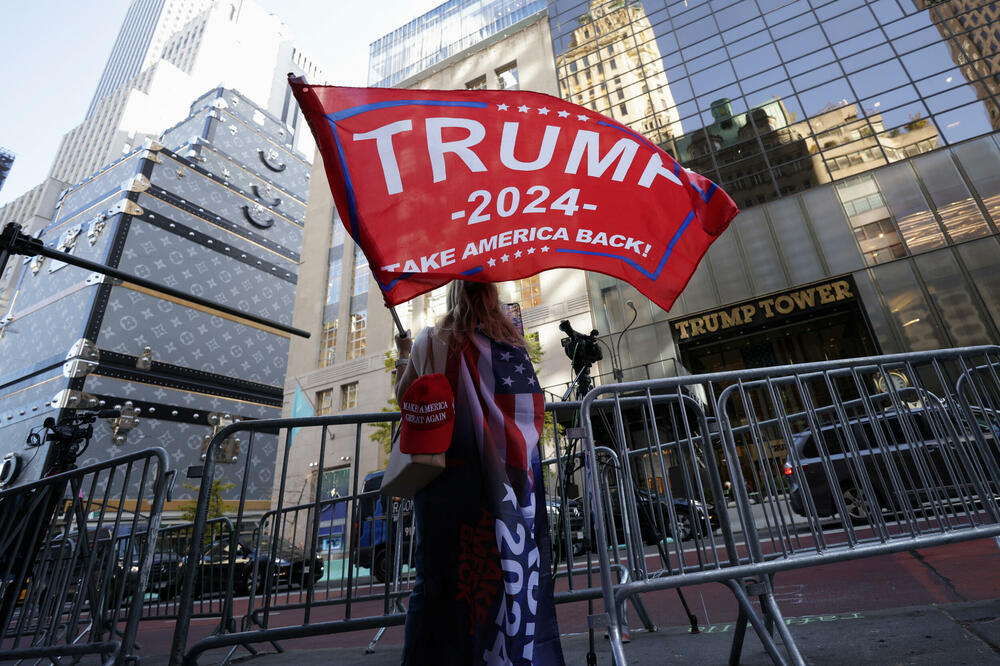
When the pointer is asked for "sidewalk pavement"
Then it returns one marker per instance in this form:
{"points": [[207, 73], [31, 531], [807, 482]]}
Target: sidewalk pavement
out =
{"points": [[961, 633]]}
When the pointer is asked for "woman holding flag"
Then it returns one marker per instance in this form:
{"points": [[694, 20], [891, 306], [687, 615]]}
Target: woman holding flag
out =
{"points": [[483, 592]]}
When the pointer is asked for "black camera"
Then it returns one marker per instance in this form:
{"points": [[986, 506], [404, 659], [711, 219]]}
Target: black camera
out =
{"points": [[581, 349]]}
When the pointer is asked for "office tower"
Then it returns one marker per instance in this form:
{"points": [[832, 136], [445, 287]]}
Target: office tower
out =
{"points": [[147, 26], [238, 45], [6, 162], [612, 66], [857, 138], [214, 208]]}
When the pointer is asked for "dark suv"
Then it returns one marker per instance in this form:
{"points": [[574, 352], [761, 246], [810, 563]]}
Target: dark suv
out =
{"points": [[917, 448], [371, 528]]}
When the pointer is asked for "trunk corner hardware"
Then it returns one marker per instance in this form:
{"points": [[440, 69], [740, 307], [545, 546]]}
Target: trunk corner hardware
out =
{"points": [[229, 451], [122, 425]]}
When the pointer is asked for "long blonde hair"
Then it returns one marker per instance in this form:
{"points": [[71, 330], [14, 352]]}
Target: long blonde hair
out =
{"points": [[476, 305]]}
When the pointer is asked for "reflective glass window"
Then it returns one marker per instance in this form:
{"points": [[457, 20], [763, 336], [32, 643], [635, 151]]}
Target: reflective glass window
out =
{"points": [[958, 211], [870, 219], [980, 259], [876, 313], [728, 269], [916, 222], [758, 245], [909, 311], [832, 230], [794, 241], [963, 123], [954, 298], [980, 160], [848, 24]]}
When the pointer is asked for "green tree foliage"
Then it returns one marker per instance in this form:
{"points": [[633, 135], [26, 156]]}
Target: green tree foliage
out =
{"points": [[215, 505], [382, 432]]}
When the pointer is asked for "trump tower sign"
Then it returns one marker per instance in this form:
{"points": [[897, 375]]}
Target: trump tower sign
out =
{"points": [[498, 185]]}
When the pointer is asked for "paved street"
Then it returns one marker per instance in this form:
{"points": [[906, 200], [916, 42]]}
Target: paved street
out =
{"points": [[945, 591]]}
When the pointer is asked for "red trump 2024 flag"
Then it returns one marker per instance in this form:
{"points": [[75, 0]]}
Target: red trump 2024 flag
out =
{"points": [[497, 185]]}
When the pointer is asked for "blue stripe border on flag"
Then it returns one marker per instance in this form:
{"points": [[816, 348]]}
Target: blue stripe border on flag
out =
{"points": [[663, 260]]}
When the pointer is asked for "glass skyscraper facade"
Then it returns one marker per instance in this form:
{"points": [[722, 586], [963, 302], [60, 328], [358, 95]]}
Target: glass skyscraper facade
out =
{"points": [[441, 33], [858, 139]]}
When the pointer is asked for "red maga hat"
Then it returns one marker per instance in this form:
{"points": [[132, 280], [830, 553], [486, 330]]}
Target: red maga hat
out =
{"points": [[428, 410]]}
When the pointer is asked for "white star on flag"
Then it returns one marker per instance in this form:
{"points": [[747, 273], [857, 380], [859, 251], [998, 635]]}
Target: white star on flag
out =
{"points": [[523, 108], [492, 262], [564, 114], [508, 381], [509, 495], [501, 107], [517, 255], [531, 381], [519, 368], [543, 111], [504, 258], [531, 250], [545, 248], [504, 356], [582, 117]]}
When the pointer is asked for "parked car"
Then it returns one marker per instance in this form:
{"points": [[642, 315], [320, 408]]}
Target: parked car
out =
{"points": [[371, 530], [918, 451], [164, 574], [289, 565]]}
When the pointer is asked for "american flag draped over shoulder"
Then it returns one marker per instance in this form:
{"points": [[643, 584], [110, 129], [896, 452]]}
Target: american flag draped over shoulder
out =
{"points": [[498, 383]]}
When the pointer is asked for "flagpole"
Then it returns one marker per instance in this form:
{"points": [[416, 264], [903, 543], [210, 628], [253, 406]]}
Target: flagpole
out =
{"points": [[399, 324]]}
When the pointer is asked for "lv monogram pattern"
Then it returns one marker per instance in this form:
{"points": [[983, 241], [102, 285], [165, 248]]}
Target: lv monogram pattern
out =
{"points": [[46, 333], [84, 196], [186, 183], [182, 441]]}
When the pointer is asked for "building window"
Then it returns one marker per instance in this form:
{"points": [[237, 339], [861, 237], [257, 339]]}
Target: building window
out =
{"points": [[507, 77], [324, 402], [357, 336], [360, 272], [478, 83], [328, 343], [349, 396], [333, 282], [623, 107], [528, 292]]}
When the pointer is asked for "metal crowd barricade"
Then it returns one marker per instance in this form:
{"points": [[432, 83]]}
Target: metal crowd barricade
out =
{"points": [[823, 462], [213, 593], [327, 565], [317, 564], [75, 559]]}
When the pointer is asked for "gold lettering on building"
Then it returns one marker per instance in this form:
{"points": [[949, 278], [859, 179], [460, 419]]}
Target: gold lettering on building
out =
{"points": [[764, 309]]}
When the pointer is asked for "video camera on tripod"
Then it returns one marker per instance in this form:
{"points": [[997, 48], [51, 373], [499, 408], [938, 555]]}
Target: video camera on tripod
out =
{"points": [[583, 351]]}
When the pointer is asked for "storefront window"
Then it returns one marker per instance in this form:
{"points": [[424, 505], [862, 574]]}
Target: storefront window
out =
{"points": [[909, 311], [958, 211], [913, 216]]}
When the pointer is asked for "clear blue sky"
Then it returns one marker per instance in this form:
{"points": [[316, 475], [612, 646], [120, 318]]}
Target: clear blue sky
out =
{"points": [[54, 52]]}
